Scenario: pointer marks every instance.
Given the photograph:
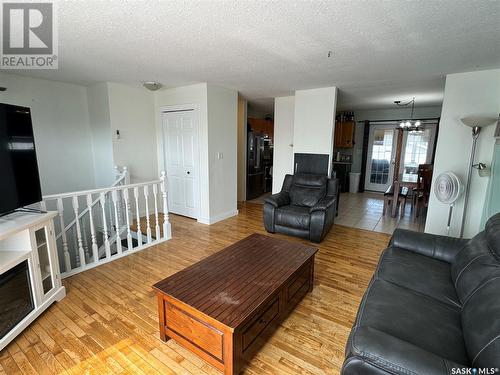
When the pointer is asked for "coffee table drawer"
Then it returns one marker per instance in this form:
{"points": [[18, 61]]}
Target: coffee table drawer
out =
{"points": [[198, 333], [299, 285], [260, 322]]}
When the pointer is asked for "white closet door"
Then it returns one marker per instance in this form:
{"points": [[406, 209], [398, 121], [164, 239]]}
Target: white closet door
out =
{"points": [[180, 147]]}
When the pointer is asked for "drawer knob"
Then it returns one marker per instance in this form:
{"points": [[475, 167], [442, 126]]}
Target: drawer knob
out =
{"points": [[262, 321]]}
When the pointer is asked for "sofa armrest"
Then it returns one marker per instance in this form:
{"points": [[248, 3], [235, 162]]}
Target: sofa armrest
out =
{"points": [[434, 246], [323, 204], [277, 200]]}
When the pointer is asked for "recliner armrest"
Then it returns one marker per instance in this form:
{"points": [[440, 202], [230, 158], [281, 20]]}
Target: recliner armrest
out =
{"points": [[323, 204], [435, 246], [277, 200]]}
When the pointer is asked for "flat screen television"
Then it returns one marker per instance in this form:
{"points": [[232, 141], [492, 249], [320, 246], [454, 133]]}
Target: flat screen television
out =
{"points": [[19, 178]]}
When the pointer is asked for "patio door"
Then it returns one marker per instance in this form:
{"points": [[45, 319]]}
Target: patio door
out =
{"points": [[380, 162], [417, 149]]}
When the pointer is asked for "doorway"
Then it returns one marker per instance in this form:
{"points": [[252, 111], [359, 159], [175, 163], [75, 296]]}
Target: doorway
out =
{"points": [[394, 154], [181, 160], [380, 162]]}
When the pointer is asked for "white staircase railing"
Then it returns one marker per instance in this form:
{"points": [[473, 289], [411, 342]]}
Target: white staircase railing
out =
{"points": [[100, 225]]}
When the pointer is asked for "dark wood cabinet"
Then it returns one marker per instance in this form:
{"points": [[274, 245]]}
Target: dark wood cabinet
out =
{"points": [[265, 127], [344, 134]]}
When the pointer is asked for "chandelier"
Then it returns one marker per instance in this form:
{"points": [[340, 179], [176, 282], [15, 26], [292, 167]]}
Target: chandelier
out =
{"points": [[413, 126]]}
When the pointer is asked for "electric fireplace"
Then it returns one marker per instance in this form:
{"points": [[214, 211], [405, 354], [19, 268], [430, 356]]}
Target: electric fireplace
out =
{"points": [[16, 297]]}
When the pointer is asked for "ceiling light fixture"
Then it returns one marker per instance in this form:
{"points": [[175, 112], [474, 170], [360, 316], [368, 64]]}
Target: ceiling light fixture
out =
{"points": [[410, 125], [152, 85]]}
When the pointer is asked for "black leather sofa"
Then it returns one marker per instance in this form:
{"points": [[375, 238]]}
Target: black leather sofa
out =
{"points": [[305, 207], [432, 307]]}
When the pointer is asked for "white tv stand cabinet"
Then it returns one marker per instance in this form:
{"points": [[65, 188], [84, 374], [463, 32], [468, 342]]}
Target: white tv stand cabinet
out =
{"points": [[30, 237]]}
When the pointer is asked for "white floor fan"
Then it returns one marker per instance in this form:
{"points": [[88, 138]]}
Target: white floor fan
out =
{"points": [[448, 188]]}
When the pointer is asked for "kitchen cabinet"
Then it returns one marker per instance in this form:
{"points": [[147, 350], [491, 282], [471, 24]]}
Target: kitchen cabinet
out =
{"points": [[344, 134], [264, 127]]}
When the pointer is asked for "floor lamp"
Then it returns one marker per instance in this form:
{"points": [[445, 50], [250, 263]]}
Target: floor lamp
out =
{"points": [[476, 123]]}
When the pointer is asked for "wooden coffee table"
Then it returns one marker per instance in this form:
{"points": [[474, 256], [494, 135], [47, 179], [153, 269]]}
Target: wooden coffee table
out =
{"points": [[224, 306]]}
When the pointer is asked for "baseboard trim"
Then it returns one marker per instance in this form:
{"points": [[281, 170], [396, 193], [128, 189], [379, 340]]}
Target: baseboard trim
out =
{"points": [[217, 218]]}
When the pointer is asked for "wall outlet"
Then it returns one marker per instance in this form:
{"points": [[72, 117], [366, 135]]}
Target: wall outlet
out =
{"points": [[220, 155]]}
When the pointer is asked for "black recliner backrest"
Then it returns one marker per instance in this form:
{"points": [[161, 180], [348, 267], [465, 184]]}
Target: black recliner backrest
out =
{"points": [[476, 274], [307, 189]]}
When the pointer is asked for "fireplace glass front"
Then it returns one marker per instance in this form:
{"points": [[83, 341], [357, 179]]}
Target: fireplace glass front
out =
{"points": [[16, 297]]}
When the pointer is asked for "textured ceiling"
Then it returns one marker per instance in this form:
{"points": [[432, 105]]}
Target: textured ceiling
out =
{"points": [[381, 50]]}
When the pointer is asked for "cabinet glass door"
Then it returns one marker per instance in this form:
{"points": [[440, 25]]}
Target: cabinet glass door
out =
{"points": [[42, 245]]}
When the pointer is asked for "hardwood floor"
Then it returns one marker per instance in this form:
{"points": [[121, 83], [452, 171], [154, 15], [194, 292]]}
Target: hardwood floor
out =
{"points": [[108, 323]]}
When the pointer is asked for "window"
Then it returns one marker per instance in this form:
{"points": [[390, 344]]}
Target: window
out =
{"points": [[417, 149]]}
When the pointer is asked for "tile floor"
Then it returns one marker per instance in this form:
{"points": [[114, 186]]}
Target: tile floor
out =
{"points": [[261, 199], [364, 211]]}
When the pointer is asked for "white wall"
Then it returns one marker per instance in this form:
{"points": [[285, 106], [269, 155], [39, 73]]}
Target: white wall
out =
{"points": [[131, 111], [314, 121], [100, 128], [222, 152], [242, 149], [62, 132], [474, 93], [284, 109], [383, 114]]}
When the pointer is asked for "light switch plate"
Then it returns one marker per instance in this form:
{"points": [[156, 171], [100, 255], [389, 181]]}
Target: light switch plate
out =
{"points": [[220, 155]]}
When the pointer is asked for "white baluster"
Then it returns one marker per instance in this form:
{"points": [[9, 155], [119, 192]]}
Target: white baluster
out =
{"points": [[107, 248], [85, 240], [81, 253], [148, 226], [114, 197], [157, 223], [119, 218], [60, 210], [110, 213], [138, 217], [166, 222], [95, 248], [130, 244]]}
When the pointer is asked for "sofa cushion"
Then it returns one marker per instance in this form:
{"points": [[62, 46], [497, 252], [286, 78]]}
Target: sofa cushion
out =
{"points": [[415, 318], [307, 189], [296, 217], [481, 324], [371, 351], [420, 273]]}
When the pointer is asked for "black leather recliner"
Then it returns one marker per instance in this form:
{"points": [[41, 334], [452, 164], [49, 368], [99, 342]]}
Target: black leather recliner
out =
{"points": [[432, 307], [305, 207]]}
